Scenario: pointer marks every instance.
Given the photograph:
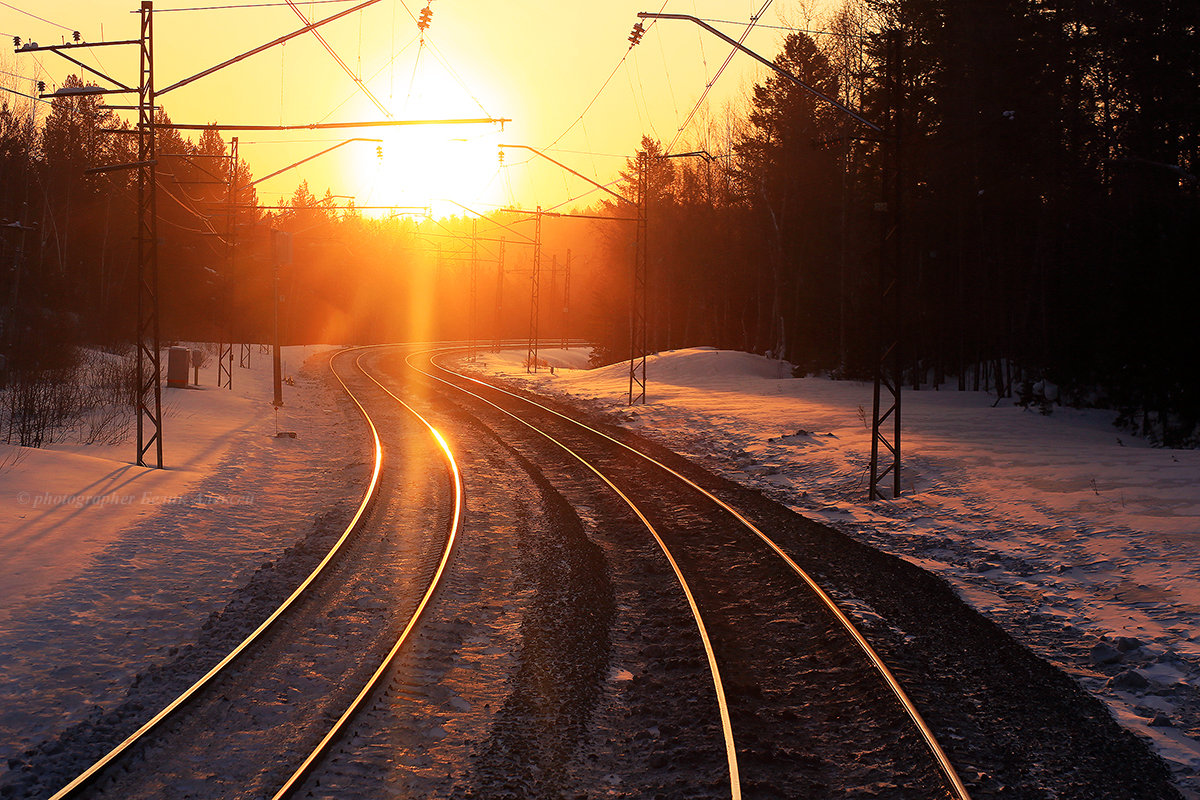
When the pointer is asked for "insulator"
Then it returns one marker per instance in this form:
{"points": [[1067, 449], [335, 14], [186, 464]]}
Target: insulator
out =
{"points": [[75, 36], [635, 35], [16, 41]]}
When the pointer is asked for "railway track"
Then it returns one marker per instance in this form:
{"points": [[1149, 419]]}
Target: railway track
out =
{"points": [[803, 702], [213, 734], [617, 622]]}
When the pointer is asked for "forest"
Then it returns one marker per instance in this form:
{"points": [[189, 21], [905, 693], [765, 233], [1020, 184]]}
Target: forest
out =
{"points": [[1043, 223]]}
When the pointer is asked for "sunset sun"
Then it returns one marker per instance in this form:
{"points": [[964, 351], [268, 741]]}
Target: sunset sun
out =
{"points": [[431, 165]]}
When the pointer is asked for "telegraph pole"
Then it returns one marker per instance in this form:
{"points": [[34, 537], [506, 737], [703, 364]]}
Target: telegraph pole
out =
{"points": [[554, 315], [146, 331], [499, 313], [472, 350], [149, 362], [566, 308], [281, 253], [889, 373], [225, 349], [534, 299], [637, 298]]}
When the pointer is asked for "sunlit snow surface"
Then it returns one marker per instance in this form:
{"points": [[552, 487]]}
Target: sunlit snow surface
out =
{"points": [[1061, 527], [109, 567]]}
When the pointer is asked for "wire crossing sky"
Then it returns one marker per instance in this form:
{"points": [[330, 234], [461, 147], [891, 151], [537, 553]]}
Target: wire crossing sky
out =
{"points": [[564, 73]]}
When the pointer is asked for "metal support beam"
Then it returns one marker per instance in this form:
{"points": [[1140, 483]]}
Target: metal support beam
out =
{"points": [[531, 357], [149, 362]]}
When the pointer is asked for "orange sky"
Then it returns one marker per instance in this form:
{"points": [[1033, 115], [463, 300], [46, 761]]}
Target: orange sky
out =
{"points": [[536, 62]]}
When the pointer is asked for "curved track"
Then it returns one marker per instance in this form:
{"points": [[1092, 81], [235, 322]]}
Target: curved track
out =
{"points": [[293, 782], [264, 637], [601, 454], [791, 687]]}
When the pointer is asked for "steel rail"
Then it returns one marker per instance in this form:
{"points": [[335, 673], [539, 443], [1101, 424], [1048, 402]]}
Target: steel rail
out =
{"points": [[93, 772], [735, 786], [294, 782], [947, 768]]}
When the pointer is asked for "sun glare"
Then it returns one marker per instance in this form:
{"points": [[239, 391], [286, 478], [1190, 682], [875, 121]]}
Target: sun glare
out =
{"points": [[433, 165]]}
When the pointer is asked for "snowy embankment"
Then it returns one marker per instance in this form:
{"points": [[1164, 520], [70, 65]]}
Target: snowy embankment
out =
{"points": [[110, 567], [1080, 540]]}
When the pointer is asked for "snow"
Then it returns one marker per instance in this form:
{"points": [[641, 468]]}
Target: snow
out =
{"points": [[63, 503], [1060, 527], [109, 566]]}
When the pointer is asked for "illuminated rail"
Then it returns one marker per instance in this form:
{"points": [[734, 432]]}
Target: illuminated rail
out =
{"points": [[92, 773], [97, 770], [293, 783], [947, 769]]}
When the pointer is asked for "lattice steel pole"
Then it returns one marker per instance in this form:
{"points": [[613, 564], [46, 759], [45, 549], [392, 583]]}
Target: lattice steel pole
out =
{"points": [[149, 362], [499, 298], [637, 301], [889, 370], [534, 290], [225, 349], [472, 322], [566, 311], [554, 319]]}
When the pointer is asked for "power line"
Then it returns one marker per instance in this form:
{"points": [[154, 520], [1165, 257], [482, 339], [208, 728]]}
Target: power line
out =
{"points": [[600, 91], [15, 75], [786, 28], [390, 61], [341, 63], [637, 65], [287, 141], [35, 16], [586, 153], [437, 53], [633, 94], [708, 87], [592, 102]]}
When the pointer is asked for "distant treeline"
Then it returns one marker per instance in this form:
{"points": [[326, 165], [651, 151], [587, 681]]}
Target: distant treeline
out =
{"points": [[1049, 219]]}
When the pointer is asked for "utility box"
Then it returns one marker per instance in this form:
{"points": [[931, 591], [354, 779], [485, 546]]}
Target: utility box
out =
{"points": [[177, 367]]}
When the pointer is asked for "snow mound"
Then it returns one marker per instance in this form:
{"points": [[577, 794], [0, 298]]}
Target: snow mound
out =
{"points": [[702, 367]]}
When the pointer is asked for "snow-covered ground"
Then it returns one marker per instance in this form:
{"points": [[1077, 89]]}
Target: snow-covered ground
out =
{"points": [[108, 567], [1079, 539]]}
